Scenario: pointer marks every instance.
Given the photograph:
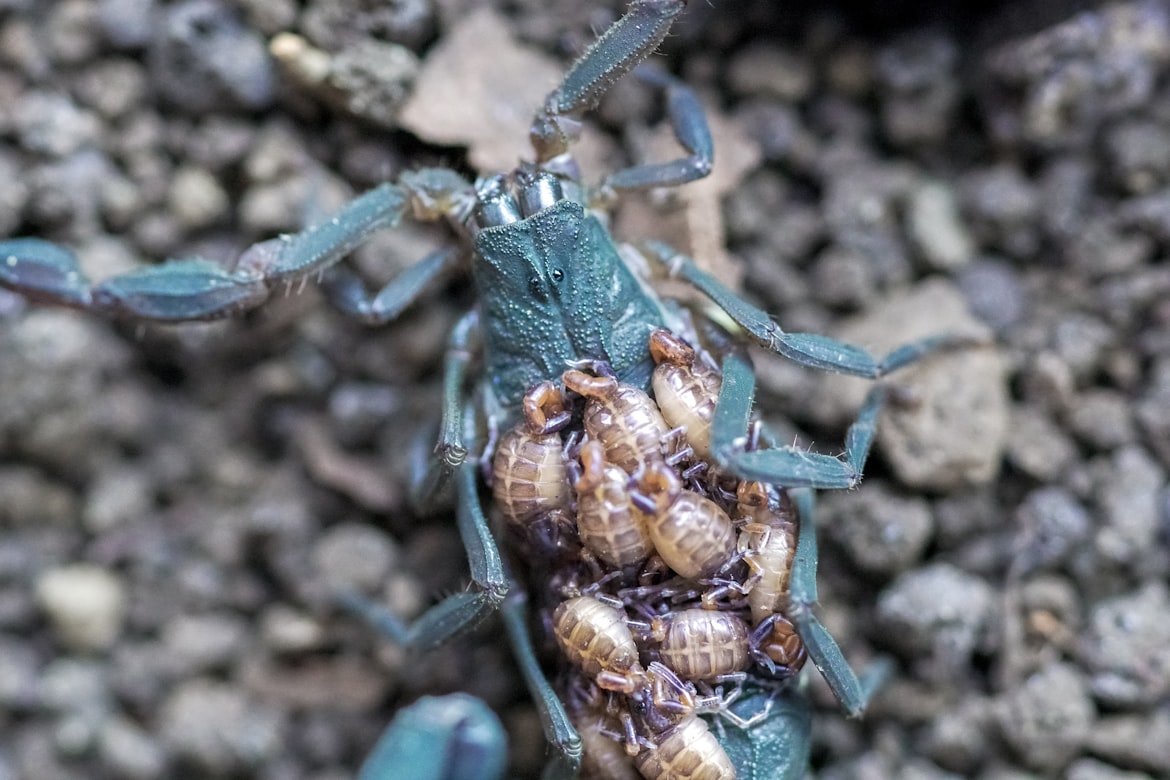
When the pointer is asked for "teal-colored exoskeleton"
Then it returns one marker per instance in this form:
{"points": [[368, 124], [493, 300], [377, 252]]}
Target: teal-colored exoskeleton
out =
{"points": [[552, 291]]}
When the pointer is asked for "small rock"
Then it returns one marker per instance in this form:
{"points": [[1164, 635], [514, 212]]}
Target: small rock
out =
{"points": [[118, 495], [353, 556], [1127, 648], [196, 198], [993, 290], [1037, 446], [941, 610], [127, 24], [936, 227], [85, 604], [51, 124], [1134, 740], [1047, 719], [202, 58], [1053, 524], [196, 643], [129, 751], [20, 680], [1102, 418], [286, 630], [769, 71], [1127, 496], [216, 727], [881, 532], [1091, 769]]}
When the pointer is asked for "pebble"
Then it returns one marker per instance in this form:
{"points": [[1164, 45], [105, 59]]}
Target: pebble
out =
{"points": [[1127, 648], [129, 751], [200, 643], [117, 495], [1134, 741], [882, 533], [1048, 717], [219, 729], [202, 58], [1037, 446], [52, 124], [354, 556], [940, 612], [335, 24], [1091, 769], [196, 198], [1052, 524], [1127, 488], [1102, 418], [20, 680], [936, 227], [770, 71], [994, 292], [85, 605], [127, 24]]}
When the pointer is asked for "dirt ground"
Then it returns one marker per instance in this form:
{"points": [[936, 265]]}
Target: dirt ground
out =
{"points": [[179, 506]]}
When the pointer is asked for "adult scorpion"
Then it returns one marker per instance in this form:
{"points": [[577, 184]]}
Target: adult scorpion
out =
{"points": [[553, 291]]}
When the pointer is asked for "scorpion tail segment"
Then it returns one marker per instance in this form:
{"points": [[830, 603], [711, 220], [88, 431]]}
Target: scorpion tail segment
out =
{"points": [[619, 49], [690, 128], [454, 737], [826, 655], [558, 728], [43, 272]]}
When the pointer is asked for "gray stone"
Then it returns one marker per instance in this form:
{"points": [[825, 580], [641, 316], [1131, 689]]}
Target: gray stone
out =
{"points": [[1127, 496], [1127, 647], [882, 533], [219, 729], [129, 751], [938, 610], [936, 227], [354, 556], [84, 603], [1047, 718], [197, 643], [1053, 525]]}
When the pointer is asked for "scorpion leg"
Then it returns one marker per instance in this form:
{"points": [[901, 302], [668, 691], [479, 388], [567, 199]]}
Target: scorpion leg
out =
{"points": [[348, 294], [852, 691], [454, 737], [809, 349], [619, 49], [558, 729], [458, 612], [197, 289], [451, 450], [690, 128], [786, 466]]}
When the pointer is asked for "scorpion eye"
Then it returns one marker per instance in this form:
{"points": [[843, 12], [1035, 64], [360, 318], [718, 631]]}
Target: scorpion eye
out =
{"points": [[558, 274], [534, 286]]}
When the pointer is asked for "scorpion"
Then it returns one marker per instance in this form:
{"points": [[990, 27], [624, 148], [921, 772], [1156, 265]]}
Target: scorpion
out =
{"points": [[553, 292]]}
